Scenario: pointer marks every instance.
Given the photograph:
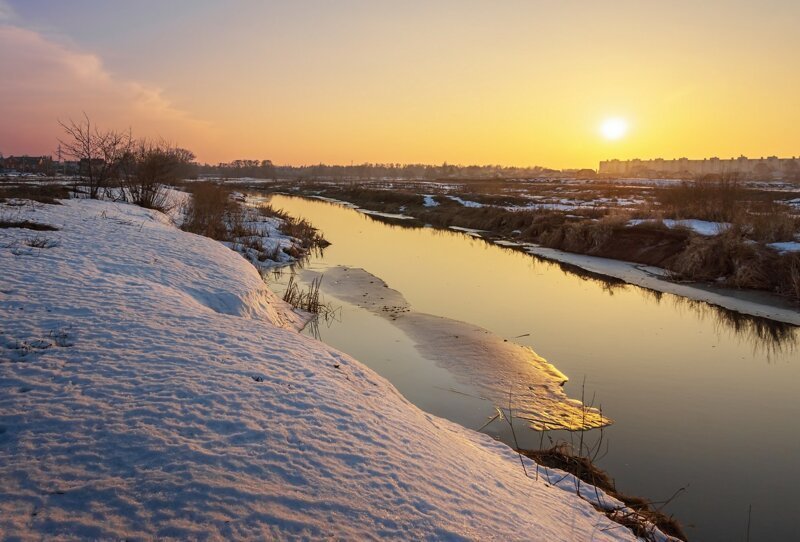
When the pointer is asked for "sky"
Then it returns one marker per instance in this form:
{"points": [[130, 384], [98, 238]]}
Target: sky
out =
{"points": [[466, 82]]}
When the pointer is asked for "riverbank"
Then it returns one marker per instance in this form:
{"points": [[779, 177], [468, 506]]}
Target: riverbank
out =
{"points": [[153, 386], [656, 278], [755, 303]]}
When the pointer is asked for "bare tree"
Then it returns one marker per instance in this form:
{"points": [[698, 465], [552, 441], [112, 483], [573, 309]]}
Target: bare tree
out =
{"points": [[99, 152]]}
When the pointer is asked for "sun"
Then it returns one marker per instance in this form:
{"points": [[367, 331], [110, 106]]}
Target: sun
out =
{"points": [[614, 128]]}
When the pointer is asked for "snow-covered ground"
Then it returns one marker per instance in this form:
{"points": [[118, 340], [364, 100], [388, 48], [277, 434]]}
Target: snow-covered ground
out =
{"points": [[151, 386], [465, 203], [572, 204], [469, 231], [700, 227], [786, 246]]}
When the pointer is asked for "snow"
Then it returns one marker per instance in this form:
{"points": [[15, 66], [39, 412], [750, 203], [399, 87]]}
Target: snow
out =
{"points": [[429, 201], [786, 246], [465, 203], [396, 216], [572, 204], [505, 243], [701, 227], [469, 231], [151, 386], [336, 201], [794, 203]]}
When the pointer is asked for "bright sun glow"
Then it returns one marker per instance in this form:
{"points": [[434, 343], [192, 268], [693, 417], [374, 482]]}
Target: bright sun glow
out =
{"points": [[614, 128]]}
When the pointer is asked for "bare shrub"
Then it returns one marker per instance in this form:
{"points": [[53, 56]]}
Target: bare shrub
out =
{"points": [[147, 170]]}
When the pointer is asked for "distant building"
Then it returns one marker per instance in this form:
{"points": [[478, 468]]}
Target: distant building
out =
{"points": [[85, 164], [27, 164], [750, 168]]}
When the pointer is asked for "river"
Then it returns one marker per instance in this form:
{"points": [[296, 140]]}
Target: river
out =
{"points": [[700, 398]]}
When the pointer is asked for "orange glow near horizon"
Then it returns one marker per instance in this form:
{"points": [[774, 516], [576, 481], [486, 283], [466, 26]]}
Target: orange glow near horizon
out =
{"points": [[514, 84]]}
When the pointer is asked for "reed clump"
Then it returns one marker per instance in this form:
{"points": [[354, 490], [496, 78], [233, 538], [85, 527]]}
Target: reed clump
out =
{"points": [[307, 299]]}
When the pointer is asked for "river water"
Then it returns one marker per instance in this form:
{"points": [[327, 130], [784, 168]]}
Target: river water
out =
{"points": [[701, 398]]}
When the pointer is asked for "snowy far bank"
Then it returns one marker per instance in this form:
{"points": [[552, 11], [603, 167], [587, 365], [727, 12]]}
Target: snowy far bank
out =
{"points": [[151, 386]]}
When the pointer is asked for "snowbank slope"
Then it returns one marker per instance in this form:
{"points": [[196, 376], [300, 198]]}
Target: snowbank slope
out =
{"points": [[151, 386]]}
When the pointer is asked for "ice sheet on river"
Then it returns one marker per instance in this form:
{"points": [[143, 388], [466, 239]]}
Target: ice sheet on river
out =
{"points": [[475, 356]]}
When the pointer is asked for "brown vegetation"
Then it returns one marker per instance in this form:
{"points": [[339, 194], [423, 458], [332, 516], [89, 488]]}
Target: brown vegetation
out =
{"points": [[299, 228], [26, 224], [714, 199], [43, 193], [213, 213], [641, 515]]}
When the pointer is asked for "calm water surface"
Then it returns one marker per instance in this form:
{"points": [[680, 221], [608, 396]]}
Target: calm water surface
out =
{"points": [[700, 399]]}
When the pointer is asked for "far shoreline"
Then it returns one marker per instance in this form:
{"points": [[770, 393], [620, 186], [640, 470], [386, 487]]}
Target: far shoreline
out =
{"points": [[747, 302]]}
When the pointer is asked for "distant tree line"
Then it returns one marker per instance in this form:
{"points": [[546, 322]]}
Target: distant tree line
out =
{"points": [[259, 169], [265, 169]]}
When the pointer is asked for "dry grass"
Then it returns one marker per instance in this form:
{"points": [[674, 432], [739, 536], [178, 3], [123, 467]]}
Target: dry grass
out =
{"points": [[732, 260], [42, 193], [771, 222], [26, 224], [299, 228], [211, 212], [40, 241], [642, 514], [715, 199], [307, 300], [727, 258]]}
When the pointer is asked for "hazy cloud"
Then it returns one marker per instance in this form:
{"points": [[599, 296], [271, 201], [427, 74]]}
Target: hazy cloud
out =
{"points": [[45, 80], [6, 11]]}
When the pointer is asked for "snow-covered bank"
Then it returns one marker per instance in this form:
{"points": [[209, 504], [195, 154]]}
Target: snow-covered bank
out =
{"points": [[654, 278], [700, 227], [151, 386]]}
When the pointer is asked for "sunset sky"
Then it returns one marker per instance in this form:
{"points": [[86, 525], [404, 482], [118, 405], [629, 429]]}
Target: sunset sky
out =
{"points": [[514, 83]]}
